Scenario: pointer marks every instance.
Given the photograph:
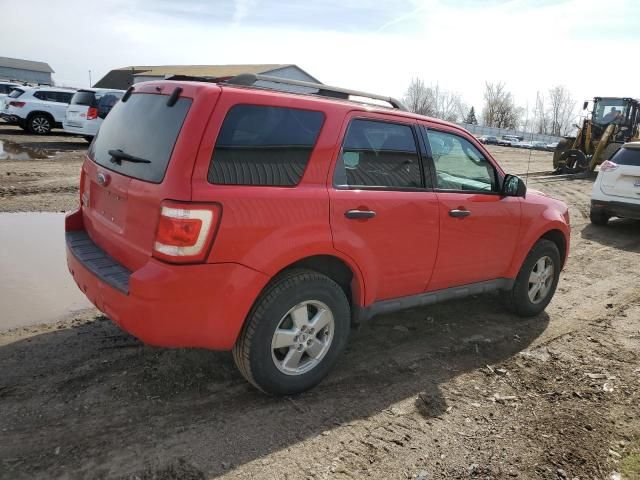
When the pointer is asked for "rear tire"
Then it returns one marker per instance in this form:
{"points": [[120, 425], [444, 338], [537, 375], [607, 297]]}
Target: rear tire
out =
{"points": [[536, 282], [285, 314], [40, 124], [598, 217]]}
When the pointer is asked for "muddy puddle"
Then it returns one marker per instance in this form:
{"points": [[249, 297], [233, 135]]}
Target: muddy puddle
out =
{"points": [[35, 285], [15, 151]]}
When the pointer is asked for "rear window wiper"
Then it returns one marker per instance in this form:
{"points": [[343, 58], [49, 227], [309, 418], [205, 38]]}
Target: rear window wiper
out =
{"points": [[118, 155]]}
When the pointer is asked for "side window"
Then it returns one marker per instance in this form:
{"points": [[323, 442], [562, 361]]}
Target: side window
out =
{"points": [[40, 95], [63, 97], [378, 154], [459, 165], [259, 145]]}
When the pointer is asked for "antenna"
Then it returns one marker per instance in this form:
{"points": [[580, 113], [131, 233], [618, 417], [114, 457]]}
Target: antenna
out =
{"points": [[535, 115]]}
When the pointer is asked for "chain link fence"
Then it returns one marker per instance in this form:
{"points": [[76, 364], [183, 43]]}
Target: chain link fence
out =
{"points": [[478, 130]]}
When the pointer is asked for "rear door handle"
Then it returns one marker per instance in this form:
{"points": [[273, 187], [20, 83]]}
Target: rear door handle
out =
{"points": [[359, 214], [459, 213]]}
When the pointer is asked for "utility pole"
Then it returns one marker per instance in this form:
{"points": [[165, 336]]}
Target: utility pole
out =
{"points": [[89, 78]]}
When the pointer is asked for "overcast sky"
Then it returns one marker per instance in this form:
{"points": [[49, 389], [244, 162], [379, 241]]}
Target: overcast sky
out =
{"points": [[374, 46]]}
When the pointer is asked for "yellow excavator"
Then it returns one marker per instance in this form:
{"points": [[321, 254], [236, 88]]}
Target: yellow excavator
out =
{"points": [[611, 123]]}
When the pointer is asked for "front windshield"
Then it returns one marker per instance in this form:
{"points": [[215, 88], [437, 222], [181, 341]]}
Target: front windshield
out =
{"points": [[610, 110]]}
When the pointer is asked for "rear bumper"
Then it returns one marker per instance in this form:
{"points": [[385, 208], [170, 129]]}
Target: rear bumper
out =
{"points": [[617, 209], [87, 130], [202, 305]]}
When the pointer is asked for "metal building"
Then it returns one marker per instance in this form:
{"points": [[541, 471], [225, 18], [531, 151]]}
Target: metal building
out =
{"points": [[124, 77], [18, 70]]}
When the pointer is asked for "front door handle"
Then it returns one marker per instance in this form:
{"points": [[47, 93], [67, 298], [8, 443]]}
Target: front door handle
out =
{"points": [[459, 213], [357, 214]]}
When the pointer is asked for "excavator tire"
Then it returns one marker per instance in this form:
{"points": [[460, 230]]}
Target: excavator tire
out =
{"points": [[564, 145]]}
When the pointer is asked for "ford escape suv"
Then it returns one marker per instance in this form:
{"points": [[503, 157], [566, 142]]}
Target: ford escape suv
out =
{"points": [[220, 215]]}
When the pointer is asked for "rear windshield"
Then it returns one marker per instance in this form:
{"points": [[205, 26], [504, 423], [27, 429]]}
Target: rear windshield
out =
{"points": [[16, 93], [627, 156], [95, 99], [144, 127]]}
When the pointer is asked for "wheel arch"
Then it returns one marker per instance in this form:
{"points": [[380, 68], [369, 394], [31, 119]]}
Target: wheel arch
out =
{"points": [[40, 112], [557, 237], [347, 276], [554, 233]]}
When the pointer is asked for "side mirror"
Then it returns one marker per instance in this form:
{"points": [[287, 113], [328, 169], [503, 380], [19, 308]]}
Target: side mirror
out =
{"points": [[585, 105], [513, 186]]}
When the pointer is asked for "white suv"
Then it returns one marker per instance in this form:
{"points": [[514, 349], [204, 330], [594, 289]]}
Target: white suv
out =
{"points": [[5, 89], [616, 191], [37, 109], [87, 110]]}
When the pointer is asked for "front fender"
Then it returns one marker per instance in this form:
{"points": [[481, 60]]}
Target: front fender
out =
{"points": [[552, 220]]}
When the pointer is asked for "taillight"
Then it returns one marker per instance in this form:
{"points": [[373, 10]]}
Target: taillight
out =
{"points": [[608, 166], [17, 104], [185, 231], [92, 113]]}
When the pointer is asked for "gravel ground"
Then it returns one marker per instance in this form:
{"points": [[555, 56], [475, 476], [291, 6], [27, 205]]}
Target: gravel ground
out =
{"points": [[457, 390]]}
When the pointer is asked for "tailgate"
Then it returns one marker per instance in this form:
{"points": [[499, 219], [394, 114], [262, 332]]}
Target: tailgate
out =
{"points": [[121, 198], [624, 181], [76, 115]]}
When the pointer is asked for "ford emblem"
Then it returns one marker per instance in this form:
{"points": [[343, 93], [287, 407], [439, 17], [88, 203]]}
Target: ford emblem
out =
{"points": [[103, 179]]}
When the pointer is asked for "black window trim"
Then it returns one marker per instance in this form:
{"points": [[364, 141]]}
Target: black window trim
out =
{"points": [[432, 168], [420, 149], [276, 105]]}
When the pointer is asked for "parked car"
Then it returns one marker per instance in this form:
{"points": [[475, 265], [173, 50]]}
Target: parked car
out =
{"points": [[37, 109], [508, 140], [523, 144], [552, 146], [488, 140], [537, 145], [616, 191], [5, 89], [229, 217], [88, 109]]}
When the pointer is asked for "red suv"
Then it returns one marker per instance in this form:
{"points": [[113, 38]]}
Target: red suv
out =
{"points": [[229, 216]]}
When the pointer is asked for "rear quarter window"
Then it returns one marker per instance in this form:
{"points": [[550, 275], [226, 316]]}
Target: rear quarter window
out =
{"points": [[627, 156], [16, 93], [261, 145], [145, 127]]}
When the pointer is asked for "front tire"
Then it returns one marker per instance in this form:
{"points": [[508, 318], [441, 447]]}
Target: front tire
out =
{"points": [[294, 333], [40, 124], [536, 282]]}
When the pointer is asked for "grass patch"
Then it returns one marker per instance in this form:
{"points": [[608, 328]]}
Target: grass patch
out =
{"points": [[630, 463]]}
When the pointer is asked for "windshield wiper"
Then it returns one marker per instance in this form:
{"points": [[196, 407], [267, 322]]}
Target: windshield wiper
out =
{"points": [[118, 155]]}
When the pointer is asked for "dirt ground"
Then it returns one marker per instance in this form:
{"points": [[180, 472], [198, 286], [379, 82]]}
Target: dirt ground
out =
{"points": [[457, 390]]}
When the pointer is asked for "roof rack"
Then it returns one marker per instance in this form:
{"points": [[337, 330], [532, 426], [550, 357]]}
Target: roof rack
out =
{"points": [[250, 79]]}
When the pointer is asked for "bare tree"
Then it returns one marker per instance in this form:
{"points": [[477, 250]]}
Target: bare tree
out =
{"points": [[561, 110], [417, 99], [434, 101], [499, 108], [541, 121]]}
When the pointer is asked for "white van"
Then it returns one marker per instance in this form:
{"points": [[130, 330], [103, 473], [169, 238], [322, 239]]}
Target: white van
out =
{"points": [[87, 110]]}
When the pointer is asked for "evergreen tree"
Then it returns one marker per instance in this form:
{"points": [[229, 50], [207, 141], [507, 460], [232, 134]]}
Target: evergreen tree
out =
{"points": [[471, 117]]}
